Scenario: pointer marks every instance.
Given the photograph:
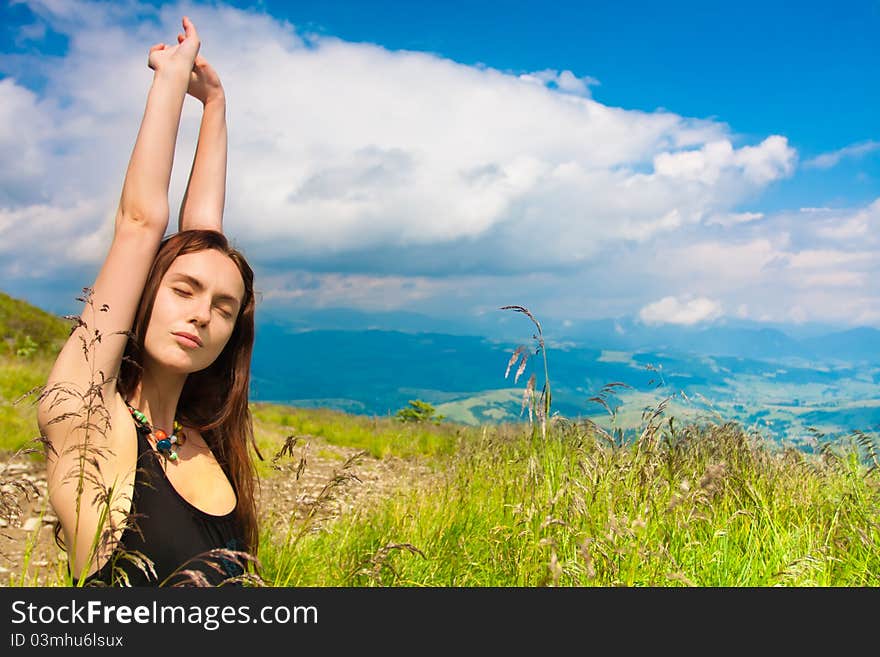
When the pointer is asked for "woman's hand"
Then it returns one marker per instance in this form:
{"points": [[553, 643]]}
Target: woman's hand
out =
{"points": [[180, 57], [204, 83]]}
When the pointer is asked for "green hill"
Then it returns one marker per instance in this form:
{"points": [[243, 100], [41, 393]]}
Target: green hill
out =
{"points": [[26, 328], [31, 339]]}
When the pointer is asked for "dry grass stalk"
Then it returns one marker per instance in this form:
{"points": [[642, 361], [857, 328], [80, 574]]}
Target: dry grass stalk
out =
{"points": [[338, 479], [866, 442], [287, 450], [120, 576], [94, 424], [15, 487], [528, 400], [542, 409], [377, 564], [222, 561], [602, 396], [586, 555]]}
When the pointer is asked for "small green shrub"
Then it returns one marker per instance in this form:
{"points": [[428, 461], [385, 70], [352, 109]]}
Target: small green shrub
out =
{"points": [[419, 411]]}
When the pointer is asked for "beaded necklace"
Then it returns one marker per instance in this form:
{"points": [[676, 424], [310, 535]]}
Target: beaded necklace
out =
{"points": [[166, 445]]}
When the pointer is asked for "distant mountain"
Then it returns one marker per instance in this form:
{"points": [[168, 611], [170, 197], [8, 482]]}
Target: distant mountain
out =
{"points": [[366, 363], [349, 319], [378, 372], [732, 337], [858, 344], [381, 370], [712, 341]]}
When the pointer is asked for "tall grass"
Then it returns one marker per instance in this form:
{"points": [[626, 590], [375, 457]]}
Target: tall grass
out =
{"points": [[701, 506]]}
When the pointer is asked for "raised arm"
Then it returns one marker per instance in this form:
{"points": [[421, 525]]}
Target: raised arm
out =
{"points": [[81, 385], [141, 218], [205, 195]]}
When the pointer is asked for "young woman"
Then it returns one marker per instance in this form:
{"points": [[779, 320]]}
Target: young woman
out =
{"points": [[146, 409]]}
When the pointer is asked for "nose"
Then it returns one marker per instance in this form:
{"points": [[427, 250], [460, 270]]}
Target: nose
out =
{"points": [[201, 312]]}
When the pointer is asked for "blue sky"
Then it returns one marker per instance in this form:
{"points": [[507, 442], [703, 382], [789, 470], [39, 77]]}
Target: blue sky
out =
{"points": [[681, 162]]}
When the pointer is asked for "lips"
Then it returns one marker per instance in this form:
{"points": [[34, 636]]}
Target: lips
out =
{"points": [[189, 336]]}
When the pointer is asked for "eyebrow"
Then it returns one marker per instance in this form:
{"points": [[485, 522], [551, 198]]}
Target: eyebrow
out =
{"points": [[197, 284]]}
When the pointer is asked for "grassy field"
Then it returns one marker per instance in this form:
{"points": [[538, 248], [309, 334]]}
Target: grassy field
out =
{"points": [[650, 499], [708, 506], [18, 411], [31, 338], [684, 505]]}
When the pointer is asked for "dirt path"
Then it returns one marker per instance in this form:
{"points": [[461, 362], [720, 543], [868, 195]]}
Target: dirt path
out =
{"points": [[364, 481]]}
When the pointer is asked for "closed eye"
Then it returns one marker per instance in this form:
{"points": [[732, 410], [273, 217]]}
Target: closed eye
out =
{"points": [[185, 293]]}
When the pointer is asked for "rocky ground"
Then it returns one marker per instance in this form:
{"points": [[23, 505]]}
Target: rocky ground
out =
{"points": [[334, 480]]}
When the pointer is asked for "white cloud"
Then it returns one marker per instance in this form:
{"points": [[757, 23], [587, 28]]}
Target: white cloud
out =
{"points": [[763, 270], [563, 80], [23, 156], [832, 279], [734, 218], [771, 160], [37, 239], [832, 159], [365, 292], [727, 263], [826, 258], [343, 147], [859, 227], [403, 179], [672, 310]]}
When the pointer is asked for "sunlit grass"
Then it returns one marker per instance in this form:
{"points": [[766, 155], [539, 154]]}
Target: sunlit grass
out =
{"points": [[380, 437], [18, 414], [701, 506], [709, 507]]}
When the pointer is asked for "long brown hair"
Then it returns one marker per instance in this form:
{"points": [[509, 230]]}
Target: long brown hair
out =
{"points": [[214, 400]]}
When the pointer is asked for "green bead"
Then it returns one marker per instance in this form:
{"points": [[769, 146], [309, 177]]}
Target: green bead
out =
{"points": [[173, 456]]}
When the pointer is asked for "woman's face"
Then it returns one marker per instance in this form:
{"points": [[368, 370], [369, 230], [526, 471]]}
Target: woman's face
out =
{"points": [[199, 297]]}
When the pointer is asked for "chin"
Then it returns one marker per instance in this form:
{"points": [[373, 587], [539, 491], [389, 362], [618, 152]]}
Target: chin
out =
{"points": [[177, 362], [178, 366], [191, 365]]}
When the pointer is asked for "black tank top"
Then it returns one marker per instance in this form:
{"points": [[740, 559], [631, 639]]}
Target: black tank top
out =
{"points": [[169, 531]]}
